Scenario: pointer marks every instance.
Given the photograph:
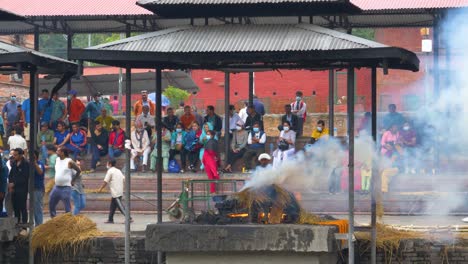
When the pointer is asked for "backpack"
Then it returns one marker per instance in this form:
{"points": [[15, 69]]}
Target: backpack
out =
{"points": [[173, 166]]}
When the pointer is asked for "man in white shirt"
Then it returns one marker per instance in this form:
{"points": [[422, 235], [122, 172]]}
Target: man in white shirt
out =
{"points": [[146, 119], [140, 146], [255, 146], [116, 180], [243, 112], [17, 141], [234, 120], [299, 108]]}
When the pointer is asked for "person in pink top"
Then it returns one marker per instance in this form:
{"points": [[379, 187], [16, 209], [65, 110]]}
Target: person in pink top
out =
{"points": [[389, 141], [115, 105]]}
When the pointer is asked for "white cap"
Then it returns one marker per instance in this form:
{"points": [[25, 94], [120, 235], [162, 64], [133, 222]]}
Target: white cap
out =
{"points": [[264, 156]]}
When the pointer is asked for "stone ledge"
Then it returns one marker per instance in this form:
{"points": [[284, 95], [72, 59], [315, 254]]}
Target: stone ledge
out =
{"points": [[233, 238], [7, 229]]}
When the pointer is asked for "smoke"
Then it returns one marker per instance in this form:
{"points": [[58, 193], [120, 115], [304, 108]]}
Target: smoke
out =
{"points": [[440, 125]]}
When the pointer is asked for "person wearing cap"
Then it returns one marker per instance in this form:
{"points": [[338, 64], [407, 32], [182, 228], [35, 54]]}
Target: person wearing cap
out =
{"points": [[264, 161], [45, 136], [44, 106], [76, 107], [93, 109], [104, 119], [9, 113], [255, 146], [138, 107], [116, 140]]}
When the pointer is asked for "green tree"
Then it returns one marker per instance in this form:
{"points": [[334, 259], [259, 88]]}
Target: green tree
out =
{"points": [[367, 33], [175, 95]]}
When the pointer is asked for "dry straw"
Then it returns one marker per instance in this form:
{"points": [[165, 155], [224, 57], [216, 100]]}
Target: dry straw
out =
{"points": [[63, 234]]}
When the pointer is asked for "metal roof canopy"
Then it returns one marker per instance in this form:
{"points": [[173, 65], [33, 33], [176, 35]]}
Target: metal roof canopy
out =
{"points": [[6, 15], [14, 58], [234, 8], [107, 83], [248, 46]]}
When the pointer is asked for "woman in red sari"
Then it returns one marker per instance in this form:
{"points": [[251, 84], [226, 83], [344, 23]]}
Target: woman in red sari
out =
{"points": [[211, 159]]}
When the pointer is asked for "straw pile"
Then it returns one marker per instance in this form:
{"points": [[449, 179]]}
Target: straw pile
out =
{"points": [[276, 195], [63, 233]]}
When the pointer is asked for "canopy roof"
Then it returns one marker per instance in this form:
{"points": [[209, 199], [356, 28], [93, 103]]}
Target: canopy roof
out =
{"points": [[234, 8], [247, 46], [108, 83], [7, 15], [14, 58]]}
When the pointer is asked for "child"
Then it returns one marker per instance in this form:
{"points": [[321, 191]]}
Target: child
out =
{"points": [[211, 159]]}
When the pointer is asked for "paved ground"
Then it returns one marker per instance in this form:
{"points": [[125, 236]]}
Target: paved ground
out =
{"points": [[141, 220]]}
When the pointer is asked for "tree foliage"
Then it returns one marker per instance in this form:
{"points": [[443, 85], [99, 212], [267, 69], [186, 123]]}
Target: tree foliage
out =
{"points": [[367, 33], [175, 95]]}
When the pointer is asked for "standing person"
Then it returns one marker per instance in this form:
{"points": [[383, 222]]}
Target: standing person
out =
{"points": [[100, 147], [181, 110], [10, 113], [93, 110], [39, 189], [51, 160], [199, 118], [214, 119], [147, 120], [259, 107], [238, 147], [77, 140], [77, 191], [243, 112], [3, 183], [115, 105], [365, 125], [44, 107], [165, 148], [106, 105], [18, 184], [116, 180], [26, 109], [105, 120], [116, 140], [299, 108], [187, 118], [64, 167], [234, 119], [45, 136], [211, 159], [138, 107], [291, 118], [171, 120], [61, 135], [16, 140], [253, 117], [392, 118], [59, 111], [140, 146], [178, 145], [255, 146], [192, 145], [204, 139], [76, 107]]}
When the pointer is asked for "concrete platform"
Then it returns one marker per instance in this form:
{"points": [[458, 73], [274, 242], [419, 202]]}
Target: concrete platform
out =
{"points": [[7, 229], [250, 243]]}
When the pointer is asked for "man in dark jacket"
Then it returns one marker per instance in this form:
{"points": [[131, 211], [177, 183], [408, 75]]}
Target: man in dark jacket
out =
{"points": [[214, 119], [252, 118], [18, 184], [290, 117], [100, 145]]}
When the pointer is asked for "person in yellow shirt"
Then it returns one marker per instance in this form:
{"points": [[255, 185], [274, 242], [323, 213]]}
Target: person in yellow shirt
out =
{"points": [[319, 132], [105, 120]]}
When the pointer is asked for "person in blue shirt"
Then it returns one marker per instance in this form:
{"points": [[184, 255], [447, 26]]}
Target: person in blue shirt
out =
{"points": [[259, 107], [44, 107], [26, 107], [76, 140], [3, 183], [10, 113], [60, 135], [93, 109], [39, 189]]}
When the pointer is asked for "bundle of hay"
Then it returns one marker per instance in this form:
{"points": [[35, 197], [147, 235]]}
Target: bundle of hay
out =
{"points": [[63, 233]]}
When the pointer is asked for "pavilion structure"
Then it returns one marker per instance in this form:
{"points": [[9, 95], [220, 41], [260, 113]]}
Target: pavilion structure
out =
{"points": [[250, 47]]}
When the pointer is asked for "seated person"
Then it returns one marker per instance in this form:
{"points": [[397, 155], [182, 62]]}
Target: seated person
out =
{"points": [[45, 136], [140, 146], [116, 140], [408, 143], [390, 142], [255, 146], [60, 135], [286, 142], [170, 120], [105, 119], [320, 132], [165, 148], [290, 117], [192, 145], [177, 145], [146, 119], [77, 140], [100, 147], [238, 146]]}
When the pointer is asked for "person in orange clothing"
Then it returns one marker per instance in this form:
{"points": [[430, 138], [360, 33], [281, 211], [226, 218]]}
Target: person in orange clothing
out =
{"points": [[187, 118], [138, 108], [76, 107]]}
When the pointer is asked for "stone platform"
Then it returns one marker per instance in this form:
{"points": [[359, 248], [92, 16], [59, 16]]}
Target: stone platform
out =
{"points": [[7, 229], [184, 243]]}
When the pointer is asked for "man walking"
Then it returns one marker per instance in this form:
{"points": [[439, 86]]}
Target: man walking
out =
{"points": [[10, 113], [116, 180]]}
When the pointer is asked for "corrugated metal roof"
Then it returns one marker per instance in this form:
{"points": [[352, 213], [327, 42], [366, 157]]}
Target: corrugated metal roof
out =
{"points": [[9, 48], [8, 15], [32, 8], [241, 38], [224, 2], [387, 5]]}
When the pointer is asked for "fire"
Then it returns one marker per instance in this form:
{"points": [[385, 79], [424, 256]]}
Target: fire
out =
{"points": [[240, 215]]}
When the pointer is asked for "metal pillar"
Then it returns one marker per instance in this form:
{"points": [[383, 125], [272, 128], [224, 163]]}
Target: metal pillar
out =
{"points": [[436, 70], [350, 95], [69, 47], [128, 94], [374, 167], [226, 114], [251, 87], [127, 35], [331, 102], [159, 151]]}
